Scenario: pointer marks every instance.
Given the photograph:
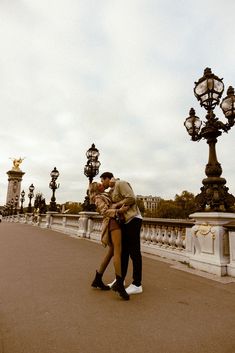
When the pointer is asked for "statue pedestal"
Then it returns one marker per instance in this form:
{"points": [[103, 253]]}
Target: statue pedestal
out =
{"points": [[14, 185], [210, 242]]}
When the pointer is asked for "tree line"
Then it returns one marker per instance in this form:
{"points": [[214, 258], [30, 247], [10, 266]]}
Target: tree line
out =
{"points": [[180, 208]]}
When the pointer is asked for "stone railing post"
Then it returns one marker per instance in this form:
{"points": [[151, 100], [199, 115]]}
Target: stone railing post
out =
{"points": [[64, 221], [188, 241], [85, 224], [29, 218], [231, 265], [42, 220], [49, 218], [210, 242]]}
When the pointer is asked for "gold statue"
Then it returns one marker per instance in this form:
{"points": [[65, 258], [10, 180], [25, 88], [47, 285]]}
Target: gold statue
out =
{"points": [[16, 163]]}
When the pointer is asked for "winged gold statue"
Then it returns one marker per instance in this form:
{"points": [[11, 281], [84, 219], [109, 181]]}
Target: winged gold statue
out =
{"points": [[16, 163]]}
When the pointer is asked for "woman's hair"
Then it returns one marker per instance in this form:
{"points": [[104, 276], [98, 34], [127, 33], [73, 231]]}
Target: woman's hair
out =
{"points": [[93, 191]]}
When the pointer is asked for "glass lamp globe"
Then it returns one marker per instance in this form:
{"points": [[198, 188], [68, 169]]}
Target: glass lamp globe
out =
{"points": [[209, 89]]}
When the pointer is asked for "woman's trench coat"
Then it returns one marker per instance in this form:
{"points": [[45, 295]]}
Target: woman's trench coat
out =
{"points": [[104, 204]]}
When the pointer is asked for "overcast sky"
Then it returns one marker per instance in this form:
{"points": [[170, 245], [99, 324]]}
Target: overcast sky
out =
{"points": [[117, 73]]}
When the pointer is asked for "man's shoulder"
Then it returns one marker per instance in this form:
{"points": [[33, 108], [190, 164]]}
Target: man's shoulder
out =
{"points": [[123, 185], [121, 182]]}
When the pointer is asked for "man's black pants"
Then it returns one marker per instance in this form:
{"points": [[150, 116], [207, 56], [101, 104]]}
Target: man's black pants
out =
{"points": [[131, 247]]}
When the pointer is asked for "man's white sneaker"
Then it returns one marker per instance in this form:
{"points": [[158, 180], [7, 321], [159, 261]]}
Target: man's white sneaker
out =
{"points": [[132, 289]]}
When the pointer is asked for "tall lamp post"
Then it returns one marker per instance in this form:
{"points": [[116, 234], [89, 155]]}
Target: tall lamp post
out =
{"points": [[53, 186], [22, 198], [208, 90], [30, 195], [91, 169]]}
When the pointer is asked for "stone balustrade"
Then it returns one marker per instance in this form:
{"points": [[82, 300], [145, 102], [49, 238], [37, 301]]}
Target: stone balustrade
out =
{"points": [[207, 242], [165, 238]]}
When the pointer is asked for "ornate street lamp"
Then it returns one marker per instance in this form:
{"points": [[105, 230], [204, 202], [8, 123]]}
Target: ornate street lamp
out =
{"points": [[30, 195], [214, 194], [53, 186], [22, 201], [91, 169]]}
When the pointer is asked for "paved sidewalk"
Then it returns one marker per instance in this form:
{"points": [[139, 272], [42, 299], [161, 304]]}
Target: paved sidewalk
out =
{"points": [[48, 306]]}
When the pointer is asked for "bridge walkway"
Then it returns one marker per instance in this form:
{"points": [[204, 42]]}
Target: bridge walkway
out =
{"points": [[48, 306]]}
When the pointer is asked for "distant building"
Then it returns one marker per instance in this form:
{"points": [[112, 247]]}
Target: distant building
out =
{"points": [[150, 202]]}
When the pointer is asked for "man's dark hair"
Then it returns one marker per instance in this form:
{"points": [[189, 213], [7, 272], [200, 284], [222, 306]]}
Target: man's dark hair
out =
{"points": [[106, 175]]}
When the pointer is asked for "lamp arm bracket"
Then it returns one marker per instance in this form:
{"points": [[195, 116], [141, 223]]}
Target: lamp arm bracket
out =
{"points": [[224, 127]]}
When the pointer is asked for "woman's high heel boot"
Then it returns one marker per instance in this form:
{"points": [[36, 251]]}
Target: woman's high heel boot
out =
{"points": [[119, 287], [98, 283]]}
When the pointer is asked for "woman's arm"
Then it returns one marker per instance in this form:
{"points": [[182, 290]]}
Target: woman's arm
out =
{"points": [[104, 208]]}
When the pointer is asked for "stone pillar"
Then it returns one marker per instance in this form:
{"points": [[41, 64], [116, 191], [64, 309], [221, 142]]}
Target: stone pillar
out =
{"points": [[49, 218], [84, 225], [210, 242], [14, 185], [231, 265]]}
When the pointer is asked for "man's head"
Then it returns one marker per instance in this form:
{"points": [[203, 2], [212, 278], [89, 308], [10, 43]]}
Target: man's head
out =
{"points": [[106, 179]]}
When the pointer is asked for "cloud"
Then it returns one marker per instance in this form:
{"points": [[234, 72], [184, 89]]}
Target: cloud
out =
{"points": [[119, 74]]}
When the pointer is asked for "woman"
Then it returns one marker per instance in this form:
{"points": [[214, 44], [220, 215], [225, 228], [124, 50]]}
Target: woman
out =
{"points": [[110, 235]]}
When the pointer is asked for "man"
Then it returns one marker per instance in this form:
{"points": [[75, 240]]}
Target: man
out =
{"points": [[122, 194]]}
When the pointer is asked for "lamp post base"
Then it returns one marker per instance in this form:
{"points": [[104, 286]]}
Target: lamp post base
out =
{"points": [[53, 207], [87, 206], [214, 196]]}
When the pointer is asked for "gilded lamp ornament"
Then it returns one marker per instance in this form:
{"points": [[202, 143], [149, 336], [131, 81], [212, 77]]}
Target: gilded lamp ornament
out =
{"points": [[208, 90]]}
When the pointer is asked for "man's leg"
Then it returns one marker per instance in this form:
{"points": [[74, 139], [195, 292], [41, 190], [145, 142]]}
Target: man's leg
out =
{"points": [[133, 228], [125, 251]]}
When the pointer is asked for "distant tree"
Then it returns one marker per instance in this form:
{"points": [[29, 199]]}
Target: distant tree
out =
{"points": [[40, 203], [186, 201], [140, 204], [151, 214], [72, 207], [168, 209], [181, 207]]}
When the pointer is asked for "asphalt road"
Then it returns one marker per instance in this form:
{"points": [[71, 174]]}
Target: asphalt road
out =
{"points": [[48, 306]]}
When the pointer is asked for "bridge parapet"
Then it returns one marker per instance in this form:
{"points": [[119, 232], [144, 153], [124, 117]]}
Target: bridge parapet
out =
{"points": [[205, 242]]}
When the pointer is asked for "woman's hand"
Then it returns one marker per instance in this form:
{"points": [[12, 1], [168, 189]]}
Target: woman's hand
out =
{"points": [[115, 205], [123, 209]]}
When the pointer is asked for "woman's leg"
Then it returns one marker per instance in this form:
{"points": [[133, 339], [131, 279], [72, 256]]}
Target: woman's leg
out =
{"points": [[116, 237], [118, 286], [97, 282], [106, 260]]}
